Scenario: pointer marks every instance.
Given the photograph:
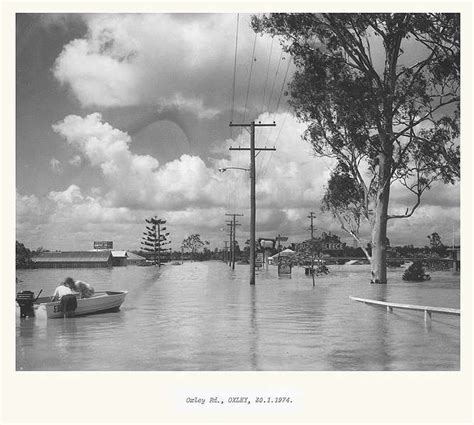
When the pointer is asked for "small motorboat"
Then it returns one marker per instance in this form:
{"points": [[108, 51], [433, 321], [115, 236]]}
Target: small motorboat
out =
{"points": [[100, 302]]}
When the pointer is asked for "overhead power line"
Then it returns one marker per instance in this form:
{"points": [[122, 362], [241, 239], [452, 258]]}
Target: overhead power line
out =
{"points": [[283, 85], [266, 77], [252, 60], [274, 81], [235, 70]]}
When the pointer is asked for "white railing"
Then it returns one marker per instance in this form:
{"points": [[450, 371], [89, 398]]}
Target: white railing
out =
{"points": [[426, 309]]}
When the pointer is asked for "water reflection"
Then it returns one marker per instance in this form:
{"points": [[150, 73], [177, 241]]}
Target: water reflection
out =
{"points": [[205, 316], [253, 326]]}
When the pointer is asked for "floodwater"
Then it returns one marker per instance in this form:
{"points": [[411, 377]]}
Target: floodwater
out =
{"points": [[204, 316]]}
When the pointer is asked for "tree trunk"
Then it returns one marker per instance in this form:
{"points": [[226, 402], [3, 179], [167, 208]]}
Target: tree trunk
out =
{"points": [[379, 229]]}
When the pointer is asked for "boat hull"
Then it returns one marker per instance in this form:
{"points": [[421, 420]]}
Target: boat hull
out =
{"points": [[101, 302]]}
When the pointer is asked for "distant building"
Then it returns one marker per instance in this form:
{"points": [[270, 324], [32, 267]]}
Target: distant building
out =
{"points": [[133, 259], [119, 258], [331, 244], [73, 259]]}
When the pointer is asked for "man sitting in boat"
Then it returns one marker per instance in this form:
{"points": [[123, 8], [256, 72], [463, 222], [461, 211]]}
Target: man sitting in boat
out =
{"points": [[84, 289], [67, 298]]}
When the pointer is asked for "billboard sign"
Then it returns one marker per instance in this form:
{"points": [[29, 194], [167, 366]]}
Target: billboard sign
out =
{"points": [[266, 243], [103, 245], [335, 246], [259, 260]]}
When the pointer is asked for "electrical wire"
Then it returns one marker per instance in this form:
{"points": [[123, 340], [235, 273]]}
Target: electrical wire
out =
{"points": [[283, 85], [266, 78], [270, 134], [274, 81], [252, 60], [276, 141], [235, 72]]}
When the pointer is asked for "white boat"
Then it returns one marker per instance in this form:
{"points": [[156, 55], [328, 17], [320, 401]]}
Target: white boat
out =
{"points": [[100, 302]]}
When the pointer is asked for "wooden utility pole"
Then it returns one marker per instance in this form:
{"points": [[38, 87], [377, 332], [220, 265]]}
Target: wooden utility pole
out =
{"points": [[229, 223], [312, 216], [253, 212], [225, 251], [233, 223]]}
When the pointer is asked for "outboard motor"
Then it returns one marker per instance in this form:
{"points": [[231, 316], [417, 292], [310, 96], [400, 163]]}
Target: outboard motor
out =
{"points": [[25, 300]]}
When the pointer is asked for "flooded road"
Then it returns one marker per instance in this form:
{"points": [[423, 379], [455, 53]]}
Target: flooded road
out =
{"points": [[204, 316]]}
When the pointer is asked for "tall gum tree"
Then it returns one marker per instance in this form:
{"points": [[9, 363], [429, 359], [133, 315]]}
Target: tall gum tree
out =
{"points": [[380, 95]]}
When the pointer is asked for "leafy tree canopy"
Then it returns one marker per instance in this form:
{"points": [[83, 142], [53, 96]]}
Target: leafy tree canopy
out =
{"points": [[23, 256], [194, 242]]}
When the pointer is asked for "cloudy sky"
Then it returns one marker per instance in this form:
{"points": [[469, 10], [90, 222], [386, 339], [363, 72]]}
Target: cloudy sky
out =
{"points": [[120, 117]]}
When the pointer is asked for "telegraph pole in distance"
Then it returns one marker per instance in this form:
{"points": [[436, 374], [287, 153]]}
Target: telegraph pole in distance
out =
{"points": [[234, 223], [312, 216], [229, 223], [225, 251], [252, 150]]}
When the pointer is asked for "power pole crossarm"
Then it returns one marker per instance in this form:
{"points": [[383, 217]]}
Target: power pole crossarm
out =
{"points": [[248, 149], [256, 124]]}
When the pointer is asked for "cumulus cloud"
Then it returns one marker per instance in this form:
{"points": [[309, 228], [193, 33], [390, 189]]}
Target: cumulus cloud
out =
{"points": [[291, 177], [137, 181], [69, 196], [131, 59], [50, 221], [29, 208], [86, 69], [189, 191], [75, 161], [56, 166]]}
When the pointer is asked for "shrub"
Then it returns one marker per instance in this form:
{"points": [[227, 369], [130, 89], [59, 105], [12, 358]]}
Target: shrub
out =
{"points": [[415, 273]]}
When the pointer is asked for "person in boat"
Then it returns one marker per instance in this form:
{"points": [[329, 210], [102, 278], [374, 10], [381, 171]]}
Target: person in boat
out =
{"points": [[67, 297], [82, 288]]}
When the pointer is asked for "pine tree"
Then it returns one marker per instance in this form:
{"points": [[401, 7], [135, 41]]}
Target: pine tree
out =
{"points": [[153, 238]]}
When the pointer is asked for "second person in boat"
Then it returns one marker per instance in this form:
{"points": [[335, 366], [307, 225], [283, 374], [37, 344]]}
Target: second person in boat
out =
{"points": [[84, 289]]}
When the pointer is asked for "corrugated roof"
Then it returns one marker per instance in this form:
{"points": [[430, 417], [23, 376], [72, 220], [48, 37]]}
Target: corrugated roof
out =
{"points": [[117, 254], [72, 256], [132, 256]]}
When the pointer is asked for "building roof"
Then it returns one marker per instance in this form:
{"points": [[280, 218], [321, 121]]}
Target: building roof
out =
{"points": [[119, 254], [72, 256], [132, 256], [285, 253]]}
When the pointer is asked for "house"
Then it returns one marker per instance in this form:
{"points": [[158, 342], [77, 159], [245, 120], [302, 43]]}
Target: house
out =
{"points": [[119, 258], [331, 244], [72, 259], [133, 259]]}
